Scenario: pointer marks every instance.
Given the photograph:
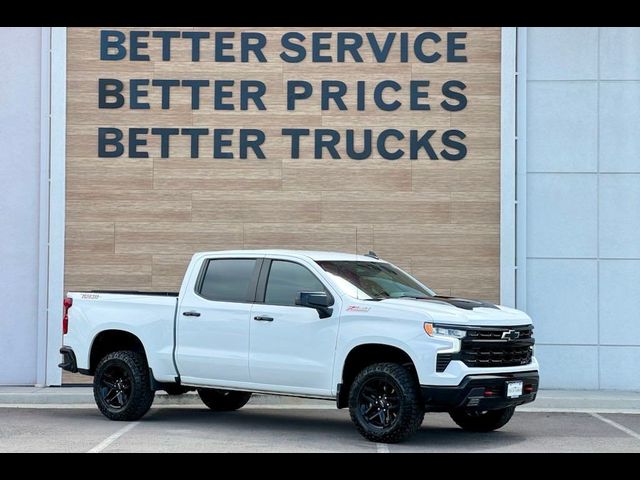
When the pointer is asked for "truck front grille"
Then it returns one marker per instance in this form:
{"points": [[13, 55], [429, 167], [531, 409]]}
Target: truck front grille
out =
{"points": [[486, 347], [496, 334], [506, 356], [497, 347]]}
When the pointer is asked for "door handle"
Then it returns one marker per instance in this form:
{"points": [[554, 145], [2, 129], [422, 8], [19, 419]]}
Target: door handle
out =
{"points": [[191, 314], [263, 318]]}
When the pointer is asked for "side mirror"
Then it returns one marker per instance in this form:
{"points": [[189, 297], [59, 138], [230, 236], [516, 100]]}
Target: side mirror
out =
{"points": [[321, 301]]}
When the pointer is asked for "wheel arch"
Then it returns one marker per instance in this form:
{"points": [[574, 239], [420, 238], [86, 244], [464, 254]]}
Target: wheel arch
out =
{"points": [[362, 355], [113, 340]]}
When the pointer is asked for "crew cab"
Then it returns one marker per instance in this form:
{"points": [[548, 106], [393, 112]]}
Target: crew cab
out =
{"points": [[349, 328]]}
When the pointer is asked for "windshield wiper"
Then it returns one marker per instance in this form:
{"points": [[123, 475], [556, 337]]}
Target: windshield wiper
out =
{"points": [[417, 297]]}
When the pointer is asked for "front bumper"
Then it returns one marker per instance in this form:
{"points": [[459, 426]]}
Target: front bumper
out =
{"points": [[480, 392]]}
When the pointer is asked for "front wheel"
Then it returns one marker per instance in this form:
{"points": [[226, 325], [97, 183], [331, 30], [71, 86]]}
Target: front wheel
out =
{"points": [[385, 403], [121, 386], [223, 400], [482, 421]]}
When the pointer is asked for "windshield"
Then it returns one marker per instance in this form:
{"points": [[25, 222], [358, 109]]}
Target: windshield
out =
{"points": [[373, 280]]}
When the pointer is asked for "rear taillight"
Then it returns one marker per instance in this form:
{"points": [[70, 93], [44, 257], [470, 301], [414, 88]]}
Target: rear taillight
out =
{"points": [[65, 318]]}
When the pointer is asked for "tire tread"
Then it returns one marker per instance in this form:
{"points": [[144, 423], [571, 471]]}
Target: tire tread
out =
{"points": [[412, 417], [223, 400], [142, 395], [492, 420]]}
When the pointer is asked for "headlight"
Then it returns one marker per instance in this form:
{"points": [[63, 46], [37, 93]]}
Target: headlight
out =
{"points": [[432, 330]]}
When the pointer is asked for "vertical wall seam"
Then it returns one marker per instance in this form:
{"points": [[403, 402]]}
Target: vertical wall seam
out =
{"points": [[508, 102], [598, 204], [521, 171], [57, 201], [50, 107], [43, 203]]}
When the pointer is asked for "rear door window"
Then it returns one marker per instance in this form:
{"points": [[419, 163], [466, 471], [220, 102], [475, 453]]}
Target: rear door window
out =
{"points": [[229, 280]]}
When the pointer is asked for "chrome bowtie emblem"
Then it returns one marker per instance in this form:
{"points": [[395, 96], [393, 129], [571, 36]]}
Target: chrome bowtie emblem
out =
{"points": [[510, 335]]}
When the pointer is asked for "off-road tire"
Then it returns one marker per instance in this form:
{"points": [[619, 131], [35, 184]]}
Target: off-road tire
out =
{"points": [[409, 411], [133, 366], [474, 421], [223, 400], [175, 390]]}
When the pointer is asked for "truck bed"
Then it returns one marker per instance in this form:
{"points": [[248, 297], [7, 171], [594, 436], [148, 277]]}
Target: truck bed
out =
{"points": [[135, 292], [149, 316]]}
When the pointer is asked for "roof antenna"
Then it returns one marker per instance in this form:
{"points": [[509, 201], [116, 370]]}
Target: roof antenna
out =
{"points": [[372, 254]]}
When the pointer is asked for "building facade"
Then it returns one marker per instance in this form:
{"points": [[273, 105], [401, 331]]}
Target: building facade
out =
{"points": [[492, 163]]}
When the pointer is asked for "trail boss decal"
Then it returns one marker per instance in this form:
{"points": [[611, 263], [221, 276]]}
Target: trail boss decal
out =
{"points": [[357, 308], [90, 296]]}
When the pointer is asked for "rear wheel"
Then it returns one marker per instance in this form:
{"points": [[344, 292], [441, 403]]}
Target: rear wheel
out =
{"points": [[223, 400], [482, 421], [385, 403], [121, 386], [175, 389]]}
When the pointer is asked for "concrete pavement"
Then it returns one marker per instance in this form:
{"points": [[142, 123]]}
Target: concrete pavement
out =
{"points": [[548, 400], [66, 420], [281, 428]]}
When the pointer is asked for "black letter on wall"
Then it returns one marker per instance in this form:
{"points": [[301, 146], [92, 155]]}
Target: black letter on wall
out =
{"points": [[110, 87], [449, 142], [110, 137], [107, 41], [459, 97]]}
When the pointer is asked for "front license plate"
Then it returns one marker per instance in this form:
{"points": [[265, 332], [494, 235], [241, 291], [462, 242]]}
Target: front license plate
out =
{"points": [[514, 389]]}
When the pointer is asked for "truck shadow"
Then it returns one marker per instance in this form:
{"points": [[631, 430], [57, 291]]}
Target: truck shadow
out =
{"points": [[327, 425], [454, 438]]}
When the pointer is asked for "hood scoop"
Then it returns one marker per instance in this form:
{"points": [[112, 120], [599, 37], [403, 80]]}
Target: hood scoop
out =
{"points": [[463, 303]]}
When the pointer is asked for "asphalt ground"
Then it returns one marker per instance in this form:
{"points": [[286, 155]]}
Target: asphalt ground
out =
{"points": [[299, 428]]}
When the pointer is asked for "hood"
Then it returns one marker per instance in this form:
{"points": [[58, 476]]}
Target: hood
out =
{"points": [[459, 311]]}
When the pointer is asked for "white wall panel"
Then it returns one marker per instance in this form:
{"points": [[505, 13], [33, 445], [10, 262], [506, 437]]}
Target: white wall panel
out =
{"points": [[620, 216], [619, 367], [619, 301], [562, 129], [562, 215], [562, 53], [19, 202], [583, 229], [563, 301], [568, 366], [619, 58], [619, 126]]}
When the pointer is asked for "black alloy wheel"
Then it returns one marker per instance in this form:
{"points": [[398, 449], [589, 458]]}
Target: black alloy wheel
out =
{"points": [[115, 386], [122, 385], [385, 402], [379, 403]]}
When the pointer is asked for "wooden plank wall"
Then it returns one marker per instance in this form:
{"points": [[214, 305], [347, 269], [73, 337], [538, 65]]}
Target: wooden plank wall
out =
{"points": [[134, 223]]}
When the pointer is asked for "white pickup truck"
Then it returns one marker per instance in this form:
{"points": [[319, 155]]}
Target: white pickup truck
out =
{"points": [[349, 328]]}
